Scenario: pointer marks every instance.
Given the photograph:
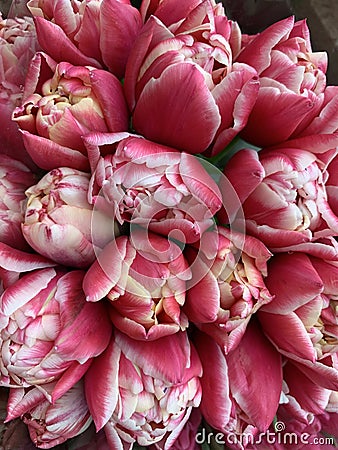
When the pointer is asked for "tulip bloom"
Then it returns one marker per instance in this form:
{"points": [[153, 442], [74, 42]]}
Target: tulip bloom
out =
{"points": [[15, 178], [61, 103], [144, 277], [302, 320], [59, 222], [283, 194], [181, 83], [145, 394], [98, 33], [17, 46], [50, 424], [227, 285], [292, 82], [154, 186], [49, 333]]}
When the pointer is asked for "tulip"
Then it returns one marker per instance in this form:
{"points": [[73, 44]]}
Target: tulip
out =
{"points": [[17, 46], [236, 400], [153, 186], [49, 333], [300, 418], [302, 320], [50, 424], [227, 286], [144, 277], [146, 391], [15, 178], [59, 222], [283, 194], [63, 102], [98, 33], [182, 86], [292, 82]]}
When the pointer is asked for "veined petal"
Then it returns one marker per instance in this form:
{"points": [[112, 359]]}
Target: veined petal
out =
{"points": [[257, 52], [216, 404], [25, 289], [106, 271], [120, 24], [300, 385], [21, 401], [293, 282], [182, 95], [149, 356], [19, 261], [257, 392], [49, 155], [63, 49], [282, 329], [102, 397]]}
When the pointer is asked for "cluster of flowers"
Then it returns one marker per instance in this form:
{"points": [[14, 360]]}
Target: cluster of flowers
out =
{"points": [[168, 214]]}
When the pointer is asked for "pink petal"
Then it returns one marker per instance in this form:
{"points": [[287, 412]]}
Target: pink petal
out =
{"points": [[282, 329], [257, 391], [102, 397], [320, 372], [216, 404], [280, 111], [300, 386], [106, 271], [120, 24], [257, 52], [235, 96], [245, 172], [179, 96], [62, 48], [19, 261], [292, 281], [25, 289], [21, 401], [168, 366], [203, 297], [49, 155], [69, 378], [108, 90]]}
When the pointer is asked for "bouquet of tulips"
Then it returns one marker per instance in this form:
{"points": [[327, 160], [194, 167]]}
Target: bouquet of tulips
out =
{"points": [[168, 224]]}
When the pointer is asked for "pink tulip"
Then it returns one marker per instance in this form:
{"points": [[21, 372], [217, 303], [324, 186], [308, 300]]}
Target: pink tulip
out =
{"points": [[146, 391], [49, 333], [153, 186], [240, 391], [98, 33], [302, 320], [181, 83], [227, 286], [283, 192], [17, 46], [15, 178], [144, 277], [50, 424], [292, 82], [59, 222], [61, 103], [299, 421]]}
